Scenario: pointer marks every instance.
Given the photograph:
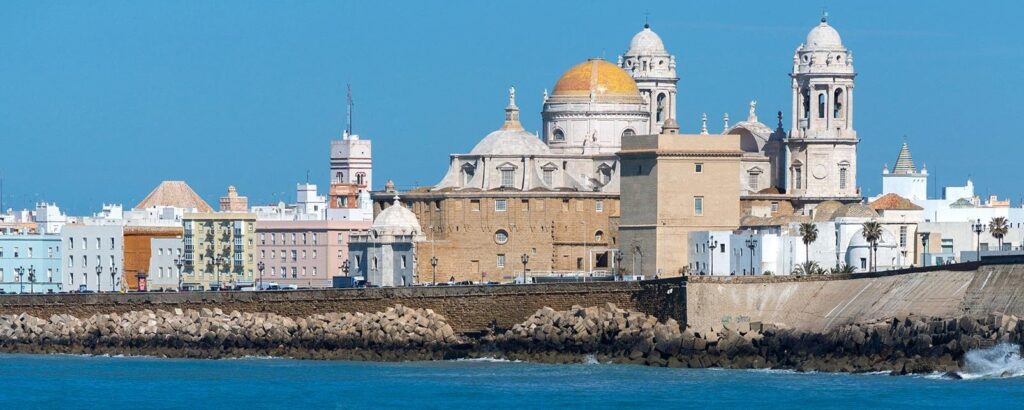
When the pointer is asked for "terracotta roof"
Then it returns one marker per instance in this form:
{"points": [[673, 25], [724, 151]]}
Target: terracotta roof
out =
{"points": [[177, 194], [854, 211], [824, 211], [892, 201]]}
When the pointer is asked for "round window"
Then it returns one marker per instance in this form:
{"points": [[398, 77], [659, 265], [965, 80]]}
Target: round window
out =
{"points": [[501, 237]]}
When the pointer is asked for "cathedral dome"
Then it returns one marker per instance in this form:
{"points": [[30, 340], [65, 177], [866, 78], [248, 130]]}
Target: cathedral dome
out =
{"points": [[510, 142], [823, 36], [396, 220], [598, 77], [646, 42]]}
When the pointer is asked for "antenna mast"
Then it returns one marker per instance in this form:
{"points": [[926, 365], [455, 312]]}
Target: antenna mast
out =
{"points": [[350, 105]]}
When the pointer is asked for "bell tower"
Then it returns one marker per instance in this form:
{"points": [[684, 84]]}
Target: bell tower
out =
{"points": [[654, 71], [822, 145]]}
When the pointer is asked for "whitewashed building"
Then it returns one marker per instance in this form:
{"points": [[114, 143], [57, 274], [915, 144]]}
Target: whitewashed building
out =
{"points": [[93, 257]]}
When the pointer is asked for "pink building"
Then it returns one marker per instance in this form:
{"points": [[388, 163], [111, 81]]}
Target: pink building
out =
{"points": [[306, 254]]}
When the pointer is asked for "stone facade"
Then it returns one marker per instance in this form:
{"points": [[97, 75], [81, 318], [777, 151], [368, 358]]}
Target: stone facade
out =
{"points": [[559, 231], [673, 185]]}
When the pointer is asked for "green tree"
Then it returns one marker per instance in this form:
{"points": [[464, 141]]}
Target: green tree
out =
{"points": [[809, 234], [999, 227], [872, 232]]}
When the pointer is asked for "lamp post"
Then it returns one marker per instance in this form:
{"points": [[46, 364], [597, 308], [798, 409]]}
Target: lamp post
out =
{"points": [[20, 271], [31, 279], [261, 266], [525, 259], [978, 229], [99, 270], [179, 264], [712, 244], [618, 263], [924, 254], [433, 268], [751, 244], [113, 273]]}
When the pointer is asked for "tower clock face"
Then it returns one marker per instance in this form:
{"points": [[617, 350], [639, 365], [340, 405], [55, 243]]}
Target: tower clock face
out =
{"points": [[819, 171]]}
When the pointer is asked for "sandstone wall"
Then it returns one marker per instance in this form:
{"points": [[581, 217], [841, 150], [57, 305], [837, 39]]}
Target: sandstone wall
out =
{"points": [[826, 302], [468, 308]]}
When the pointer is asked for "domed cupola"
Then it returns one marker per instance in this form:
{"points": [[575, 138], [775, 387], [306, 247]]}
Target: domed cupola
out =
{"points": [[654, 70], [396, 220]]}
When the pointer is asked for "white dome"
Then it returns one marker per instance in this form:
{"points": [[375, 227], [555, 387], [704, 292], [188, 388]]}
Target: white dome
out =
{"points": [[823, 36], [887, 240], [646, 42], [510, 142], [396, 220]]}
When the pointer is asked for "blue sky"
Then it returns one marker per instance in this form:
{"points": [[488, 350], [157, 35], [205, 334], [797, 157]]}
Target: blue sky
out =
{"points": [[100, 101]]}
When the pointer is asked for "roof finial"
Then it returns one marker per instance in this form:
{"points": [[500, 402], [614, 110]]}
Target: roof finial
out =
{"points": [[725, 118], [647, 16], [704, 124], [824, 15], [752, 115], [397, 200], [780, 119], [512, 112]]}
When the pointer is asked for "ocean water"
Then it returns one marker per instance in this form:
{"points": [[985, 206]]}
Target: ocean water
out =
{"points": [[68, 382]]}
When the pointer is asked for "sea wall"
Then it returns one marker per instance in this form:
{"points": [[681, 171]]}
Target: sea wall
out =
{"points": [[823, 303], [467, 308]]}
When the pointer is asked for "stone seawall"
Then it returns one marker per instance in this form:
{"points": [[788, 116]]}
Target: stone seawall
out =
{"points": [[822, 303], [467, 308]]}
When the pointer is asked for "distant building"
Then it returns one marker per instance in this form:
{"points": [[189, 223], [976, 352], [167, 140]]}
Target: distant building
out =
{"points": [[175, 194], [94, 257], [38, 260], [304, 253], [166, 253], [351, 179], [219, 250], [385, 255], [138, 252], [308, 206], [232, 202]]}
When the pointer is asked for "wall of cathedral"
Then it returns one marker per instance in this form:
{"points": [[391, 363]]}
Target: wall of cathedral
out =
{"points": [[482, 237]]}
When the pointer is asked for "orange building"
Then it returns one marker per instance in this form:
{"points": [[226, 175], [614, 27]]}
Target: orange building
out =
{"points": [[137, 251]]}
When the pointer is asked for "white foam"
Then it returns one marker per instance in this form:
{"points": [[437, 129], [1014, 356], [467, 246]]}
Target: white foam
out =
{"points": [[487, 360], [1001, 360]]}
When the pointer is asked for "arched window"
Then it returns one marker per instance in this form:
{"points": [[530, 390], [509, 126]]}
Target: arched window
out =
{"points": [[339, 177], [360, 178], [558, 135], [628, 132], [842, 178], [837, 109], [806, 96], [599, 236], [821, 105], [660, 112]]}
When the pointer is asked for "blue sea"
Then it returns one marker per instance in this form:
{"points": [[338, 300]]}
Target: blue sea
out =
{"points": [[68, 382]]}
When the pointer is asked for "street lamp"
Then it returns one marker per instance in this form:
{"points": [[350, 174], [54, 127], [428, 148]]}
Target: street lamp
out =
{"points": [[32, 279], [20, 271], [752, 243], [113, 273], [712, 244], [978, 229], [924, 254], [99, 270], [618, 263], [525, 259], [433, 268], [179, 264], [260, 267]]}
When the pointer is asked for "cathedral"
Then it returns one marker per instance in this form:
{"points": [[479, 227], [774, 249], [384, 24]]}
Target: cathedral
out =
{"points": [[549, 203]]}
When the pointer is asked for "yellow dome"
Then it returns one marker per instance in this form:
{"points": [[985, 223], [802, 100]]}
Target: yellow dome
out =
{"points": [[599, 76]]}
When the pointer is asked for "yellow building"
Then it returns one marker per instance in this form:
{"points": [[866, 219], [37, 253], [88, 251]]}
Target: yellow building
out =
{"points": [[672, 185], [219, 250]]}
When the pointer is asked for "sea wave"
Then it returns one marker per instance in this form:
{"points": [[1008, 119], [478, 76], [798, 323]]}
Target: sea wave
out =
{"points": [[1002, 360], [487, 360]]}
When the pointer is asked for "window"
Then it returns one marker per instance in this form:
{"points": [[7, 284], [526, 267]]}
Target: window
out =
{"points": [[111, 243], [314, 253], [863, 263], [775, 206], [698, 206], [403, 261], [837, 101], [263, 253], [501, 236], [501, 260], [303, 271], [304, 238], [373, 263], [71, 244], [49, 252], [805, 95], [85, 243], [314, 271], [99, 244], [947, 246], [500, 205], [558, 135], [842, 178], [565, 205], [295, 272], [160, 251], [659, 114], [29, 252], [160, 271], [474, 204], [15, 252], [315, 235], [549, 176], [628, 132], [293, 238], [507, 178], [599, 205], [752, 180], [698, 167], [71, 261], [525, 205], [263, 238], [295, 255], [599, 236], [903, 236], [797, 177], [360, 179], [821, 105]]}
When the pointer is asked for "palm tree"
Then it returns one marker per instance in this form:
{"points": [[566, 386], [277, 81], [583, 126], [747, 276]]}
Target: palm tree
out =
{"points": [[999, 227], [844, 268], [808, 268], [809, 234], [872, 232]]}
